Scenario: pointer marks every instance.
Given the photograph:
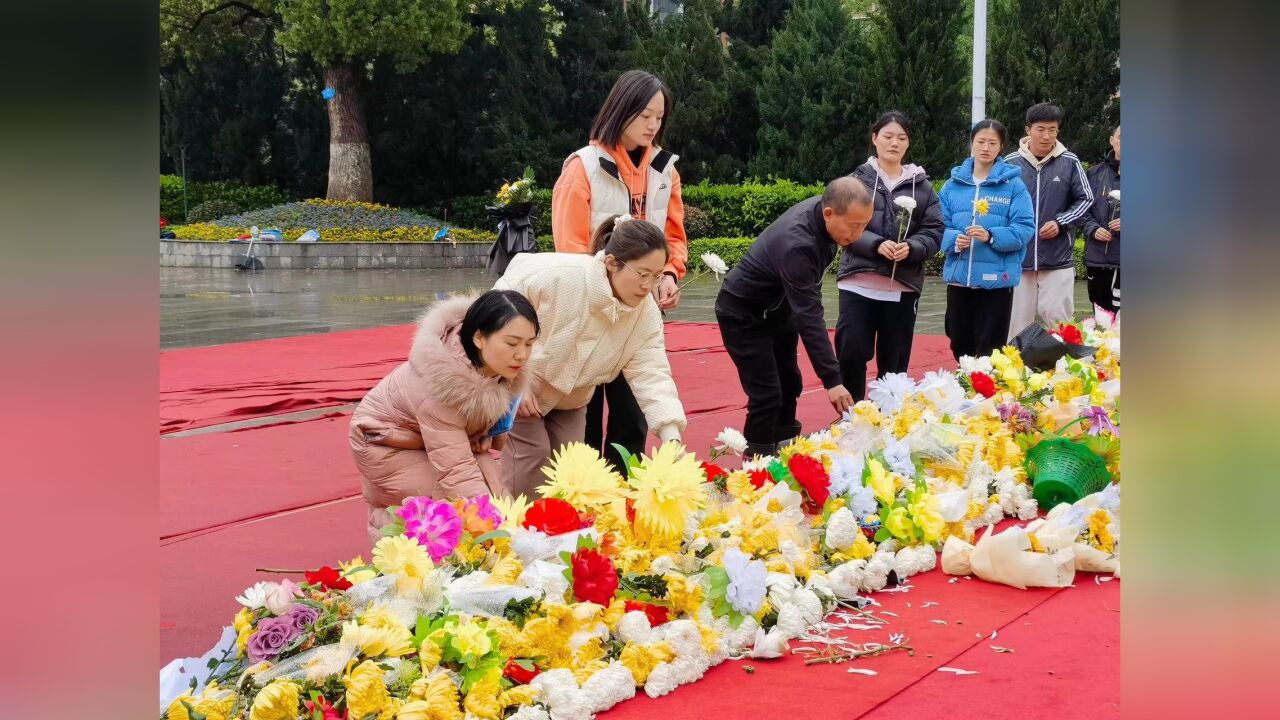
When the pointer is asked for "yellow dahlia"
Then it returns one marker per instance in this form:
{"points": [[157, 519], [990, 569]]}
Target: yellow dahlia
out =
{"points": [[391, 641], [580, 476], [366, 691], [667, 487], [470, 638], [404, 557]]}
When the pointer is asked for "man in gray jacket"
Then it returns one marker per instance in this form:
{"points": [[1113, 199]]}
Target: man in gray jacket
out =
{"points": [[1060, 198]]}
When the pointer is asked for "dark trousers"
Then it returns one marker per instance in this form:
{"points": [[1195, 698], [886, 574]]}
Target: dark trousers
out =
{"points": [[873, 328], [625, 426], [763, 345], [1104, 287], [977, 320]]}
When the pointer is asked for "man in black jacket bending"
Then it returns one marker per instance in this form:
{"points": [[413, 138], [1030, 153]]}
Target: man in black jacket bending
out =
{"points": [[773, 297]]}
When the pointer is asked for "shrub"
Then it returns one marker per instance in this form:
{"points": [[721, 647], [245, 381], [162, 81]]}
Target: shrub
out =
{"points": [[327, 214], [697, 223], [221, 233], [211, 210], [242, 197]]}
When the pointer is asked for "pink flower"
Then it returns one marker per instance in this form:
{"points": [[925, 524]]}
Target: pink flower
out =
{"points": [[280, 598], [479, 515], [433, 524]]}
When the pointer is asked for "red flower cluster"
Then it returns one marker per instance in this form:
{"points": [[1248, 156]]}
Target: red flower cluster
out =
{"points": [[552, 516], [327, 578], [1070, 333], [657, 614], [326, 710], [713, 471], [983, 384], [759, 478], [594, 577], [163, 222], [812, 476], [519, 675]]}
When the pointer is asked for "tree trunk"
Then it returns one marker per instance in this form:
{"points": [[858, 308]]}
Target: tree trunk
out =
{"points": [[350, 169]]}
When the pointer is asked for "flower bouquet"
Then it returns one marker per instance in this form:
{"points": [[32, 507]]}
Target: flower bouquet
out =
{"points": [[513, 207]]}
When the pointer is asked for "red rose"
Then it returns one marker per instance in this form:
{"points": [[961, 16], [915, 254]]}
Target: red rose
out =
{"points": [[327, 578], [1070, 333], [163, 222], [552, 516], [1102, 375], [812, 477], [519, 675], [759, 478], [594, 579], [657, 614], [713, 471], [983, 384]]}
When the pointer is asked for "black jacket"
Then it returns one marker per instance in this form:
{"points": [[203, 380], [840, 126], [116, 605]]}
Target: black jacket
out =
{"points": [[1059, 191], [786, 264], [924, 230], [1103, 178]]}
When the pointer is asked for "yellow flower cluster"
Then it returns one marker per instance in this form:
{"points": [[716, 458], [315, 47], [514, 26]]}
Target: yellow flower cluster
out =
{"points": [[579, 475], [243, 624], [278, 701], [432, 698], [642, 659], [1097, 533], [405, 558], [323, 202], [214, 703]]}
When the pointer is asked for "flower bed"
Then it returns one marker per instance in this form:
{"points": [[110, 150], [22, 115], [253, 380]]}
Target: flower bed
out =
{"points": [[609, 585]]}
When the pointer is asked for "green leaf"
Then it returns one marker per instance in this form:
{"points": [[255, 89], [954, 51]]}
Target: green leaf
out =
{"points": [[883, 534], [628, 460], [492, 535], [524, 664], [586, 542]]}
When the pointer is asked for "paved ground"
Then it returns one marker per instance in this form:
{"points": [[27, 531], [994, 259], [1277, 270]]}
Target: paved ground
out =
{"points": [[201, 306]]}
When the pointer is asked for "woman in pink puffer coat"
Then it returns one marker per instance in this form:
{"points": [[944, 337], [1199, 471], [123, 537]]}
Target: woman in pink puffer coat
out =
{"points": [[425, 428]]}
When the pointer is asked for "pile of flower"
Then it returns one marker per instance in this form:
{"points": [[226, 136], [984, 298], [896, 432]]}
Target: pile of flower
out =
{"points": [[336, 221], [608, 585]]}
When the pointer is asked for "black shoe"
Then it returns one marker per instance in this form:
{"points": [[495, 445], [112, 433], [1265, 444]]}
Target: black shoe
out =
{"points": [[760, 449], [788, 433]]}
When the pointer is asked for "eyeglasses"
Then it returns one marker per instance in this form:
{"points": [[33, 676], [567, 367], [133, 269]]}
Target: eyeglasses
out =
{"points": [[646, 278]]}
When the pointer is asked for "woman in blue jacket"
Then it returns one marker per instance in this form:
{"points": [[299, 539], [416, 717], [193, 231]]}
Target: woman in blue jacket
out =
{"points": [[987, 212]]}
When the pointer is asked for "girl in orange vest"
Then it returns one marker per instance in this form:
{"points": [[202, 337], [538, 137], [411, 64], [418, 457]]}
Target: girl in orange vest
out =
{"points": [[623, 171]]}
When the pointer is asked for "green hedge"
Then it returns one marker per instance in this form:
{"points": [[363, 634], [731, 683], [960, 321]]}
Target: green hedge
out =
{"points": [[241, 197]]}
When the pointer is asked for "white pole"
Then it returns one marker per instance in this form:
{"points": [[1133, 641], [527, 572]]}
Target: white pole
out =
{"points": [[979, 60]]}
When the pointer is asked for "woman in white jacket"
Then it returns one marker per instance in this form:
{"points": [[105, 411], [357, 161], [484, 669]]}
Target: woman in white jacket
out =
{"points": [[598, 319]]}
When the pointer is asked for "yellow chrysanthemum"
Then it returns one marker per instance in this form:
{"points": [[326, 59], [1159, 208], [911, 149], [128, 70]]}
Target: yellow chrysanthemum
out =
{"points": [[613, 615], [861, 549], [405, 558], [512, 509], [880, 481], [739, 486], [213, 702], [1066, 390], [471, 638], [356, 576], [438, 698], [393, 640], [642, 659], [1098, 534], [1014, 355], [506, 571], [800, 446], [907, 420], [868, 411], [1036, 545], [685, 594], [366, 691], [482, 700], [429, 656], [583, 672], [981, 207], [667, 487], [580, 476], [518, 695], [276, 701]]}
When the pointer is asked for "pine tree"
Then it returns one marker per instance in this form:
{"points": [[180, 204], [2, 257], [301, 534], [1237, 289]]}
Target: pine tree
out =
{"points": [[918, 68], [685, 53], [1061, 51], [810, 96]]}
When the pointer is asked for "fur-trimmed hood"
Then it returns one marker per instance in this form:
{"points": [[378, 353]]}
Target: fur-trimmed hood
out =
{"points": [[436, 356]]}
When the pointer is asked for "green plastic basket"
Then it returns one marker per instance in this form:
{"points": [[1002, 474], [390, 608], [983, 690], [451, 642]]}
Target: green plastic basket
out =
{"points": [[1063, 471]]}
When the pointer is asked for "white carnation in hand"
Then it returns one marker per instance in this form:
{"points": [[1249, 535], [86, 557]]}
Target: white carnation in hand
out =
{"points": [[906, 202], [1115, 195], [731, 439], [715, 264]]}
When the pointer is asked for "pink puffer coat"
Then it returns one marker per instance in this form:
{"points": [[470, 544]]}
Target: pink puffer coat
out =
{"points": [[413, 433]]}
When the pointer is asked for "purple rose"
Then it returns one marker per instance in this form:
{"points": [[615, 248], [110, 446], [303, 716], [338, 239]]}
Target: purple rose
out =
{"points": [[302, 616], [270, 637]]}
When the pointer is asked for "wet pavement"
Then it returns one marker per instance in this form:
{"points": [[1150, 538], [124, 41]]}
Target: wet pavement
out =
{"points": [[204, 306]]}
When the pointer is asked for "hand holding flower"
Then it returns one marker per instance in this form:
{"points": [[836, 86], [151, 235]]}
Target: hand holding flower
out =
{"points": [[962, 243], [977, 232], [1114, 225]]}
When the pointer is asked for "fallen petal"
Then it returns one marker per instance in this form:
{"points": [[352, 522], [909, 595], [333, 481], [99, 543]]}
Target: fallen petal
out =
{"points": [[957, 671], [939, 622], [862, 671], [1000, 649]]}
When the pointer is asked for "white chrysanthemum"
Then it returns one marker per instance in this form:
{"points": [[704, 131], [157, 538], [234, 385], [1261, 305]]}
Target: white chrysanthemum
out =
{"points": [[731, 439], [993, 515], [809, 605], [890, 391], [842, 529], [560, 692], [715, 264], [741, 637], [608, 687], [846, 472], [1028, 509], [898, 454], [943, 390], [790, 621], [970, 365], [772, 644], [912, 560], [845, 580], [906, 202], [634, 627], [1115, 194], [530, 712]]}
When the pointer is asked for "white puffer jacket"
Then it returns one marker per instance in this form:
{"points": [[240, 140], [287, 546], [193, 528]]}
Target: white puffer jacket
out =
{"points": [[589, 337]]}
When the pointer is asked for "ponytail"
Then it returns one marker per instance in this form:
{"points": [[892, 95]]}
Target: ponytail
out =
{"points": [[626, 238]]}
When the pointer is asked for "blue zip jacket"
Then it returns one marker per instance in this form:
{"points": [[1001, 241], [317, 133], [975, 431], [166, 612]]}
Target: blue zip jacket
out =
{"points": [[1009, 219]]}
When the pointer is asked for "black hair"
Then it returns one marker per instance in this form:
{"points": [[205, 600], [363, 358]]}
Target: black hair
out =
{"points": [[629, 240], [893, 116], [1044, 113], [843, 192], [488, 314], [989, 124], [628, 98]]}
